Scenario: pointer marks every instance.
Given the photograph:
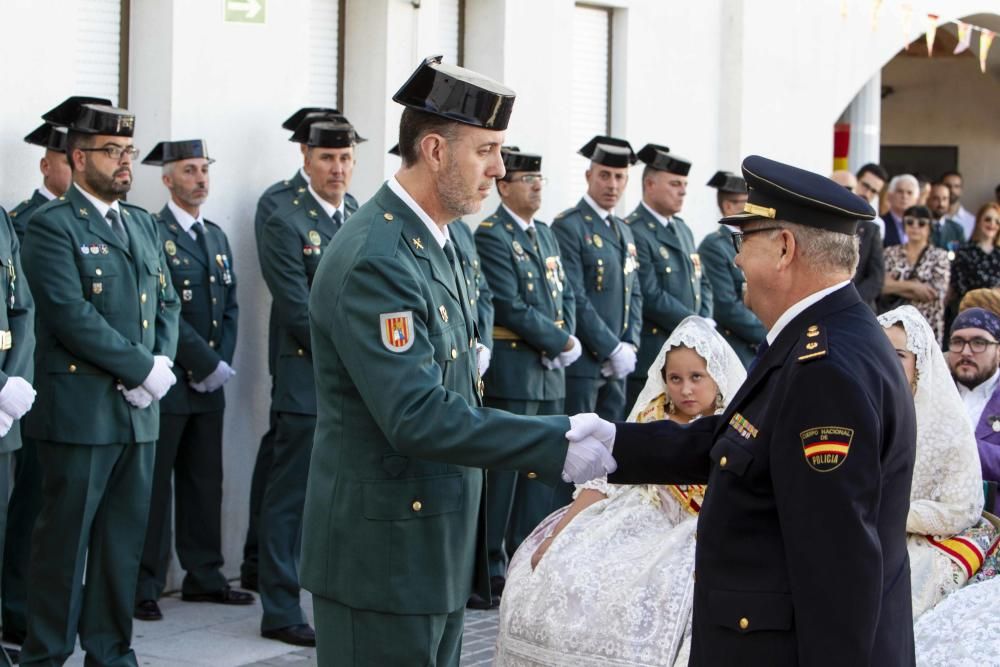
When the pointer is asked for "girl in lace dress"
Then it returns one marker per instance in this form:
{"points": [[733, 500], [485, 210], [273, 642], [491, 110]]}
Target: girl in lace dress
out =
{"points": [[609, 579], [948, 534]]}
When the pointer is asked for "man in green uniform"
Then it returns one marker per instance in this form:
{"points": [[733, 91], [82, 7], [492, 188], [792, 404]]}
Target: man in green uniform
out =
{"points": [[189, 449], [533, 343], [106, 331], [392, 525], [293, 240], [599, 256], [17, 347], [737, 323], [674, 285], [275, 197], [26, 496], [56, 175]]}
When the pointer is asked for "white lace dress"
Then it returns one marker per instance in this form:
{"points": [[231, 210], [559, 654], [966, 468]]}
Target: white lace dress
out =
{"points": [[616, 585]]}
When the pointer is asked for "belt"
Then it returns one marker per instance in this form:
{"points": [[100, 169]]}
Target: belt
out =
{"points": [[503, 333], [6, 340]]}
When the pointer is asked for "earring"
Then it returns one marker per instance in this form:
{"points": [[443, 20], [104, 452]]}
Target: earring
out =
{"points": [[671, 410], [719, 405]]}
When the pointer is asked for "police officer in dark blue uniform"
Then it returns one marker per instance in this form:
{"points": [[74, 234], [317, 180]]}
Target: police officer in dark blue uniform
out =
{"points": [[801, 556], [600, 260]]}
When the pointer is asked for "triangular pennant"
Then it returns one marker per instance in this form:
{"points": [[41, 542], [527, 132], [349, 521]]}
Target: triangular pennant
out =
{"points": [[932, 24], [843, 9], [985, 41], [876, 8], [906, 14], [964, 37]]}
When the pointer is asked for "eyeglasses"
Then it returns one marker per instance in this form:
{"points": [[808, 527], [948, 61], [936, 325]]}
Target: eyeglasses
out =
{"points": [[114, 152], [737, 237], [871, 190], [916, 222], [530, 179], [977, 345]]}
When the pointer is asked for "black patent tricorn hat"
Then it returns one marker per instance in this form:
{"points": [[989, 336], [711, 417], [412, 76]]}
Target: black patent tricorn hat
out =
{"points": [[92, 115], [172, 151], [660, 158], [457, 94], [48, 136], [515, 160]]}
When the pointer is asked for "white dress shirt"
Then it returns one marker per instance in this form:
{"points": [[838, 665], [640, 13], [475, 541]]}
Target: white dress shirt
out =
{"points": [[185, 219], [328, 208], [600, 211], [46, 192], [665, 221], [797, 308], [441, 236], [102, 207], [520, 223], [975, 399]]}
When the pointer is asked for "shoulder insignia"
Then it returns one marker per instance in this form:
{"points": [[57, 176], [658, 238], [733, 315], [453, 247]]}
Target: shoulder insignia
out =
{"points": [[812, 344], [418, 243], [285, 182], [13, 214], [388, 217], [26, 201], [826, 447], [62, 197], [156, 216], [295, 202], [486, 224], [396, 330]]}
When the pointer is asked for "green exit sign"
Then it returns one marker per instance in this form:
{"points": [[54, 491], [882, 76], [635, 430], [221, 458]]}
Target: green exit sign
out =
{"points": [[245, 11]]}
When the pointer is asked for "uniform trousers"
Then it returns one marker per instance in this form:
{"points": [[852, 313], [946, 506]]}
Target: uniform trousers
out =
{"points": [[25, 501], [92, 523], [258, 480]]}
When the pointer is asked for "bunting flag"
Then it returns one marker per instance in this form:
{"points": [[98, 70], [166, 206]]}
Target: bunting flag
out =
{"points": [[932, 24], [906, 14], [985, 41], [964, 37], [876, 8], [843, 9]]}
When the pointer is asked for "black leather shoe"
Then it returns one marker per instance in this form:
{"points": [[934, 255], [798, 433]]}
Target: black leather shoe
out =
{"points": [[147, 610], [225, 596], [12, 636], [13, 654], [249, 582], [476, 601], [298, 635]]}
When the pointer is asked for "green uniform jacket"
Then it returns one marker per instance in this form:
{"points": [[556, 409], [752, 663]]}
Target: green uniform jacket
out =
{"points": [[601, 272], [293, 241], [674, 285], [275, 197], [392, 513], [207, 327], [22, 213], [480, 295], [737, 323], [103, 311], [534, 304], [947, 234], [16, 317]]}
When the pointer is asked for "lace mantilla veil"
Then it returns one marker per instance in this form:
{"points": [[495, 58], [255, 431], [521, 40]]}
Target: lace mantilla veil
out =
{"points": [[946, 495]]}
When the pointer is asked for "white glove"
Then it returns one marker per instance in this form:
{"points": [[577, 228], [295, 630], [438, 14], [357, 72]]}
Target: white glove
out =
{"points": [[16, 397], [622, 361], [221, 375], [483, 357], [161, 378], [137, 397], [572, 354], [588, 424], [6, 422], [586, 459]]}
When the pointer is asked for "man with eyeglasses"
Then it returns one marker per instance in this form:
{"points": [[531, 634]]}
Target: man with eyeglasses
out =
{"points": [[801, 554], [533, 342], [673, 283], [106, 328], [870, 274], [974, 360], [600, 259]]}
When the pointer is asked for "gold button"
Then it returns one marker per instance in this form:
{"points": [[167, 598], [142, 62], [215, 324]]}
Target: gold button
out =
{"points": [[812, 346], [513, 345], [744, 623], [215, 323], [554, 294], [211, 343], [211, 279], [600, 262], [388, 218], [214, 300], [723, 461], [654, 330], [300, 352], [142, 297], [72, 368], [145, 324], [530, 274], [99, 272], [417, 505], [532, 475], [454, 353], [186, 282]]}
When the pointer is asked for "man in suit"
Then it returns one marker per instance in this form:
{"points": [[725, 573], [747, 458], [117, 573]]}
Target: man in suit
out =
{"points": [[533, 343], [945, 232], [189, 449], [868, 279], [399, 396], [293, 240], [106, 332], [17, 347], [974, 359], [903, 192], [56, 175], [737, 323], [600, 259], [801, 556], [671, 276], [956, 211], [276, 196]]}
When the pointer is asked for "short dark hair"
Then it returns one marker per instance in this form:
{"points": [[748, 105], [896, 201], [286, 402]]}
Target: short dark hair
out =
{"points": [[76, 140], [875, 170], [922, 179], [997, 188], [414, 125], [950, 173], [721, 196]]}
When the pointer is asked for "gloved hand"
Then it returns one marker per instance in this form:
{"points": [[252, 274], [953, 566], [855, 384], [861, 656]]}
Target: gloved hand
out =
{"points": [[586, 459], [161, 378], [588, 424], [6, 422], [483, 357], [221, 375], [16, 397], [137, 397], [622, 361], [567, 357]]}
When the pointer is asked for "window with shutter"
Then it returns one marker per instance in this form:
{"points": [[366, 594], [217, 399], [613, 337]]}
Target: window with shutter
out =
{"points": [[450, 30], [324, 53], [591, 108], [100, 49]]}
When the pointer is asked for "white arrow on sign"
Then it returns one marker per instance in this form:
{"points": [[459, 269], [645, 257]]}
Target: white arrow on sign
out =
{"points": [[250, 7]]}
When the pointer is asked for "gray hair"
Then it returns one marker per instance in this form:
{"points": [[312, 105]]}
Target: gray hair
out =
{"points": [[904, 178], [823, 250], [168, 169]]}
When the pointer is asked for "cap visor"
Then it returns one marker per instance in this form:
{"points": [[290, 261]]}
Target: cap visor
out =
{"points": [[741, 219]]}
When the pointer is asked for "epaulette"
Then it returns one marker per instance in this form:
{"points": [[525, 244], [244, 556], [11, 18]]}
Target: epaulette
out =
{"points": [[156, 216], [383, 236], [122, 202], [209, 223], [632, 218], [565, 213], [812, 345], [485, 223]]}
